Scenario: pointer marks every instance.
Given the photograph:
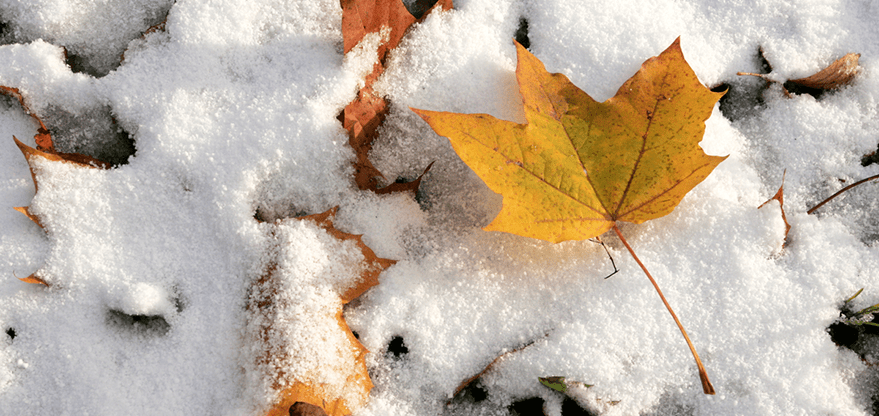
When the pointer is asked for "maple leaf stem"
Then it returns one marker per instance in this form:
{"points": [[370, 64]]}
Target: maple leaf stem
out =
{"points": [[703, 375]]}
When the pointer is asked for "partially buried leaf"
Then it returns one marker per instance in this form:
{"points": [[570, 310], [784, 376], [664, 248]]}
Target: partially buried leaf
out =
{"points": [[556, 383], [560, 384], [346, 387], [362, 117], [31, 155], [578, 166], [404, 186], [306, 409], [43, 139], [27, 212]]}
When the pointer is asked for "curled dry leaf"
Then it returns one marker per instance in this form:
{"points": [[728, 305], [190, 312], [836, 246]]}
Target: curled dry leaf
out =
{"points": [[839, 73], [362, 117], [268, 306], [34, 279]]}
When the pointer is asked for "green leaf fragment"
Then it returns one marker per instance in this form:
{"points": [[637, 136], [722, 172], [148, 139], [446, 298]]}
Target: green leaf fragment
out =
{"points": [[556, 383]]}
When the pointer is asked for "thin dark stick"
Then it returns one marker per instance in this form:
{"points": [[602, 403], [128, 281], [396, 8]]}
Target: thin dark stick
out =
{"points": [[703, 375], [841, 191], [615, 269]]}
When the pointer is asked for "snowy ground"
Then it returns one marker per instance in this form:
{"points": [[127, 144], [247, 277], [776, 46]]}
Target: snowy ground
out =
{"points": [[232, 109]]}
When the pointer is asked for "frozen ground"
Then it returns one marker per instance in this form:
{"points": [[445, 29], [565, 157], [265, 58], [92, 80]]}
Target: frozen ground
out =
{"points": [[232, 110]]}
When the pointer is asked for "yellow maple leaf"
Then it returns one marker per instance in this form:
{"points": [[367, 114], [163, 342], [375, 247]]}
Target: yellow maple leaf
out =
{"points": [[578, 166]]}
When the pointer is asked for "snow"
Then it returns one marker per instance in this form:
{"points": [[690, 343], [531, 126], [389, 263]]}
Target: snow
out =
{"points": [[232, 110]]}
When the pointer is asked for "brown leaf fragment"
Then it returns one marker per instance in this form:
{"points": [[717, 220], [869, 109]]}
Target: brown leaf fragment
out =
{"points": [[31, 154], [362, 117], [42, 138], [34, 279], [404, 186], [779, 196], [375, 264], [362, 17], [841, 72], [313, 397], [26, 211]]}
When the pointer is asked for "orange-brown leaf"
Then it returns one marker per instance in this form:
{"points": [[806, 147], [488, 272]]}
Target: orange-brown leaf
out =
{"points": [[30, 154], [319, 394], [34, 279], [362, 17], [362, 117], [27, 213], [405, 186], [42, 138]]}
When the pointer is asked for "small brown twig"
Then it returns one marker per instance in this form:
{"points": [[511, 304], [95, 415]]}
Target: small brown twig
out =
{"points": [[612, 263], [841, 191]]}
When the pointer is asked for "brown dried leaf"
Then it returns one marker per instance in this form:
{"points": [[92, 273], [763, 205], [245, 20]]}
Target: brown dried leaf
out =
{"points": [[404, 186], [318, 395], [30, 154], [34, 279], [43, 139], [839, 73], [362, 117], [306, 409]]}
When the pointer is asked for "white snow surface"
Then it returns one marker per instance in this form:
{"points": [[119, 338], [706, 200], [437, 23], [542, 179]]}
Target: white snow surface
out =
{"points": [[232, 109]]}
